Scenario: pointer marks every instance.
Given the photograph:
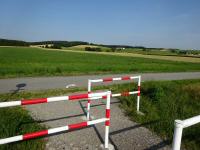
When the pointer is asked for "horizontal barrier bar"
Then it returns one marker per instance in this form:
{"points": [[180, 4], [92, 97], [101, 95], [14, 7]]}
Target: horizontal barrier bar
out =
{"points": [[114, 79], [191, 121], [51, 131], [92, 96], [122, 94], [179, 126]]}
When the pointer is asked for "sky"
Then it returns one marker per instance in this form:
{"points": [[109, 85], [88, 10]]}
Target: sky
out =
{"points": [[149, 23]]}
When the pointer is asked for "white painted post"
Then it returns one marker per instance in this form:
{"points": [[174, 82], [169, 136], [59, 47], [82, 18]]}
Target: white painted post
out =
{"points": [[177, 135], [107, 123], [138, 97], [88, 103]]}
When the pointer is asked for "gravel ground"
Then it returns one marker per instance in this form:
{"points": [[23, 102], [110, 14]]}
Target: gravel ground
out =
{"points": [[44, 83], [124, 134]]}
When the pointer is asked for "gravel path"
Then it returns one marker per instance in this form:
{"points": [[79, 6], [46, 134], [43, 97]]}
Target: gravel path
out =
{"points": [[124, 134], [44, 83]]}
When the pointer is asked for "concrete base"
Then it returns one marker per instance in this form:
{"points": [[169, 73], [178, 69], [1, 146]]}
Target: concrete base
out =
{"points": [[110, 147], [140, 113], [85, 118]]}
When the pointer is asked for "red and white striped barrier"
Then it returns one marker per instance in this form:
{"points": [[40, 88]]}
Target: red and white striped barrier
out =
{"points": [[92, 96], [51, 99], [117, 94], [51, 131]]}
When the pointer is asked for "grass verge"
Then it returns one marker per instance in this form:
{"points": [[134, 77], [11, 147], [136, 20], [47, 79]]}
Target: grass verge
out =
{"points": [[16, 120]]}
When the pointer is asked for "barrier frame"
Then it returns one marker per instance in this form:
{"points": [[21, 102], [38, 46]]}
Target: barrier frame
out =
{"points": [[92, 96], [178, 130], [90, 81]]}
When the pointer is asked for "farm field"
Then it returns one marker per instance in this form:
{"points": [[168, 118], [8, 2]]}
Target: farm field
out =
{"points": [[153, 54], [143, 55], [162, 102], [82, 47], [20, 62]]}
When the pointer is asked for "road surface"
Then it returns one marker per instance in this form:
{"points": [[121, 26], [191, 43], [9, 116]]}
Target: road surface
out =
{"points": [[45, 83]]}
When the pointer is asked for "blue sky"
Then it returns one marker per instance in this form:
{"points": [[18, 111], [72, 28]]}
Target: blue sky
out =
{"points": [[150, 23]]}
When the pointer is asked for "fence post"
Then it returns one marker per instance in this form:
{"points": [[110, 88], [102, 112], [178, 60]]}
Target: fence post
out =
{"points": [[107, 123], [88, 103], [138, 97], [177, 135]]}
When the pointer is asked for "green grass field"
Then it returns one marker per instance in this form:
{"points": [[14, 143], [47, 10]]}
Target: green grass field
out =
{"points": [[164, 101], [19, 62]]}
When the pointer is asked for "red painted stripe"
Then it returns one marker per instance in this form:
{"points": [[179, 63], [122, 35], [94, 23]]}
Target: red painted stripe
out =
{"points": [[107, 113], [105, 97], [76, 97], [107, 79], [34, 134], [78, 125], [107, 123], [126, 78], [34, 101], [125, 94], [138, 90]]}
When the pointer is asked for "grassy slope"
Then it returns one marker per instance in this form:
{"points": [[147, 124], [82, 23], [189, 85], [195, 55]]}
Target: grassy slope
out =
{"points": [[163, 102], [16, 62], [152, 52], [16, 120]]}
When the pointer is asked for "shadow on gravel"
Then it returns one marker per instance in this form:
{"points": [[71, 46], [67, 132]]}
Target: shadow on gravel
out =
{"points": [[54, 119], [99, 105], [133, 127], [96, 130], [154, 147], [159, 145]]}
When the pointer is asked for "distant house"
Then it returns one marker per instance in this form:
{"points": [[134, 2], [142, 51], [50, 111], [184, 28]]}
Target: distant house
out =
{"points": [[120, 48], [43, 45]]}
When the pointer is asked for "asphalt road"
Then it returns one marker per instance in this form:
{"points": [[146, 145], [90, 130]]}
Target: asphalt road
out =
{"points": [[44, 83]]}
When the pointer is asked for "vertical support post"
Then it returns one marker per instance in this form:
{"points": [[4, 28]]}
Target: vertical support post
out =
{"points": [[177, 135], [138, 96], [88, 102], [107, 123]]}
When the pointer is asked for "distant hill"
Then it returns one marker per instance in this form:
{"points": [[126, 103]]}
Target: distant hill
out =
{"points": [[60, 43], [6, 42]]}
